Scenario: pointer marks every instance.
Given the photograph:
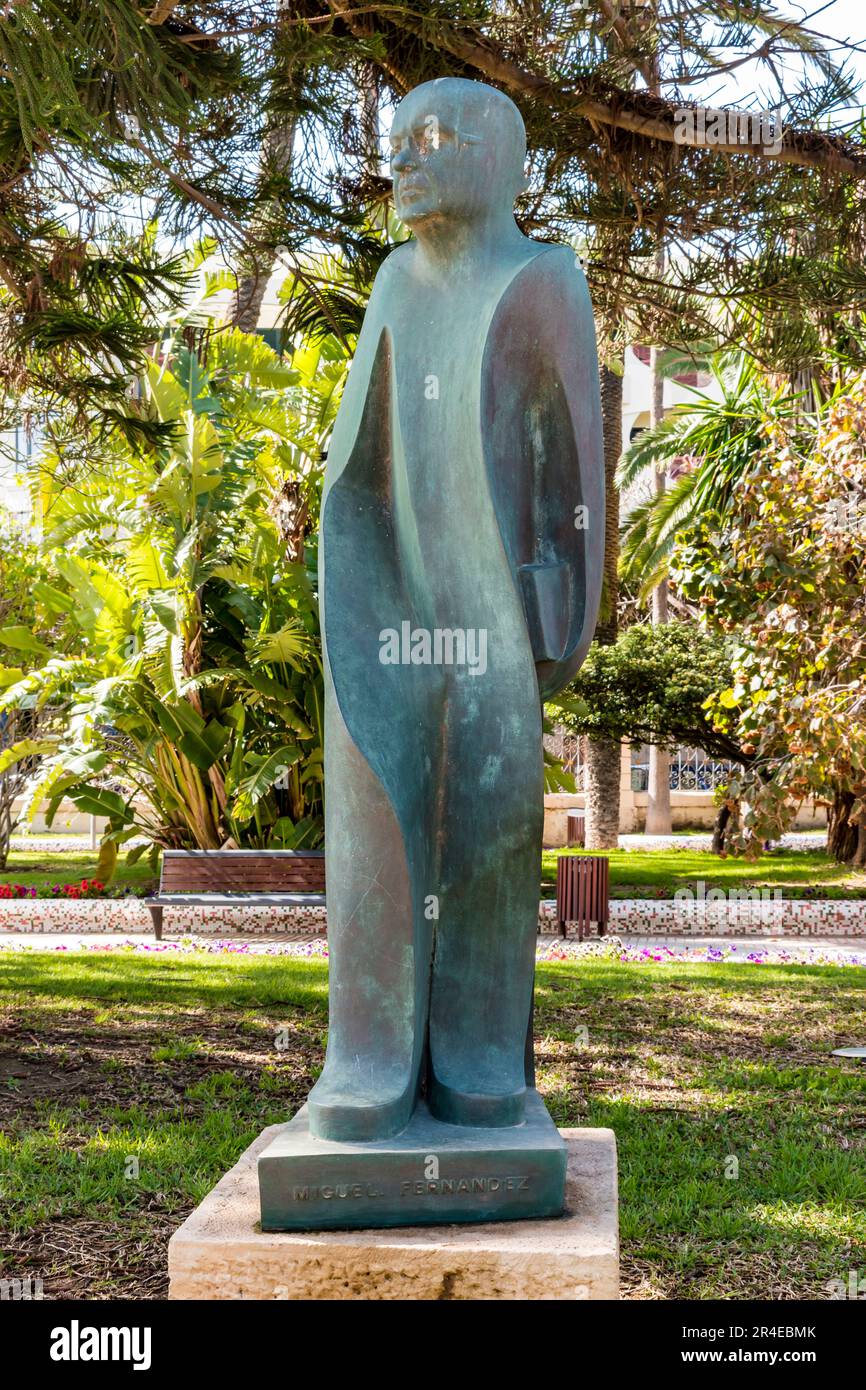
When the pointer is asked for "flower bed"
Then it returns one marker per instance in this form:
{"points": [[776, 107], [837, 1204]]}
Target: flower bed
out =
{"points": [[611, 948], [87, 888], [616, 949]]}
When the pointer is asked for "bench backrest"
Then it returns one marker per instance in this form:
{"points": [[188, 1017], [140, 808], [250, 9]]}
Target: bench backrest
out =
{"points": [[243, 871]]}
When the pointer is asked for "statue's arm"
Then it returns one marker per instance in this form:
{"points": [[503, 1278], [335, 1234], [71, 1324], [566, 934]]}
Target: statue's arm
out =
{"points": [[561, 582]]}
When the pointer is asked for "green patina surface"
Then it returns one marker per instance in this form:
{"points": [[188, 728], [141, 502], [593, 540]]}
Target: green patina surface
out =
{"points": [[457, 591]]}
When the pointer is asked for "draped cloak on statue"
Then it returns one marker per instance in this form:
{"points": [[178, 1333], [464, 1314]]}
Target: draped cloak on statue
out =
{"points": [[464, 491]]}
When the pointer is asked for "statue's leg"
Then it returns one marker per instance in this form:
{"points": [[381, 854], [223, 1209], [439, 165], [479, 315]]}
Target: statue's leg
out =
{"points": [[379, 969], [484, 956]]}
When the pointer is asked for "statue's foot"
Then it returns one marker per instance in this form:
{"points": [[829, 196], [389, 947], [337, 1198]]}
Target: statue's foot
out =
{"points": [[349, 1111], [485, 1110]]}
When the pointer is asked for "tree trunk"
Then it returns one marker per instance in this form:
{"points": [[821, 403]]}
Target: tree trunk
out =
{"points": [[658, 810], [5, 820], [253, 277], [658, 802], [12, 783], [256, 267], [611, 413], [719, 829], [603, 755], [602, 793], [843, 838]]}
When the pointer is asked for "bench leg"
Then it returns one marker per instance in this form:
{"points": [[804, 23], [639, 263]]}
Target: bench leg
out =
{"points": [[562, 929], [156, 914]]}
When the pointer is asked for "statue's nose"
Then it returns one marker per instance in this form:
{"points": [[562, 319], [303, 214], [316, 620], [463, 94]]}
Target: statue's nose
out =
{"points": [[405, 158]]}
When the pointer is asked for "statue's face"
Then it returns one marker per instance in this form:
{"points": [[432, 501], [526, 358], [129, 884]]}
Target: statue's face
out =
{"points": [[444, 158]]}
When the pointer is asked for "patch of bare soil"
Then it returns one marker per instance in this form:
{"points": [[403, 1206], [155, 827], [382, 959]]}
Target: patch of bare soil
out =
{"points": [[93, 1070]]}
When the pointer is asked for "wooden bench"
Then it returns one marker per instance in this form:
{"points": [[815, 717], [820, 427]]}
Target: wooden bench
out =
{"points": [[582, 892], [238, 878]]}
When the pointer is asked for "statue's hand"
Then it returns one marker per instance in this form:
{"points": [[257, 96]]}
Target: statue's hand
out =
{"points": [[546, 593]]}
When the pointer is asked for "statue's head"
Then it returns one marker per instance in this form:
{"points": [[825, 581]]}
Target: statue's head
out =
{"points": [[457, 152]]}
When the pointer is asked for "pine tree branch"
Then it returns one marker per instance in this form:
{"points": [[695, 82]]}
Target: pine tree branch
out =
{"points": [[162, 11], [621, 29], [805, 149]]}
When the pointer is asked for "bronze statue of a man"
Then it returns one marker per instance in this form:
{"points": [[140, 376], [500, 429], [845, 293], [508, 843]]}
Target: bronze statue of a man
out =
{"points": [[460, 570], [463, 496]]}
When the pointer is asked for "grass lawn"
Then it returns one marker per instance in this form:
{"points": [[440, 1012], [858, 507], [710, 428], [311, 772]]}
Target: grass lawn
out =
{"points": [[174, 1063], [37, 868], [660, 872]]}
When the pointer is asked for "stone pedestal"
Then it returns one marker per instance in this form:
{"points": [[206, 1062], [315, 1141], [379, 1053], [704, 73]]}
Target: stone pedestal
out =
{"points": [[220, 1252]]}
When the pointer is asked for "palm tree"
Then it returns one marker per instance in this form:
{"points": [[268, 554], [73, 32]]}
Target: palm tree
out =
{"points": [[707, 445]]}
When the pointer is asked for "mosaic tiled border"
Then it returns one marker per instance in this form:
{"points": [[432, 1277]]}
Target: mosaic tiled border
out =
{"points": [[665, 917], [795, 917], [111, 915]]}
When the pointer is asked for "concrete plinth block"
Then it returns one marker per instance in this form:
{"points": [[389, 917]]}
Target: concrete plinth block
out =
{"points": [[220, 1251]]}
